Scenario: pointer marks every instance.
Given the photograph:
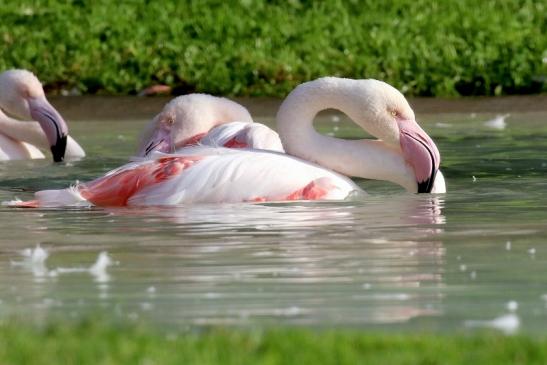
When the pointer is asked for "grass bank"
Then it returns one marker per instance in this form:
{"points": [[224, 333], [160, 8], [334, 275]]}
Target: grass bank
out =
{"points": [[101, 343], [265, 48]]}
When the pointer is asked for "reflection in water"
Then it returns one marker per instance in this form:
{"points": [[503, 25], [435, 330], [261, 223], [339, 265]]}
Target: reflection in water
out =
{"points": [[508, 323], [315, 263], [35, 262]]}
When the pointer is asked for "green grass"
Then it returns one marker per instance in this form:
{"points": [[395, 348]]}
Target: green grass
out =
{"points": [[102, 343], [423, 47]]}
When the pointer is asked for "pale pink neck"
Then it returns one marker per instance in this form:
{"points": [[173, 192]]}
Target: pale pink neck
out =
{"points": [[29, 132], [370, 159], [219, 112]]}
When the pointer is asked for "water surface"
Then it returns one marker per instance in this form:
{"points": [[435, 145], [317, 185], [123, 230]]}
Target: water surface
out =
{"points": [[392, 261]]}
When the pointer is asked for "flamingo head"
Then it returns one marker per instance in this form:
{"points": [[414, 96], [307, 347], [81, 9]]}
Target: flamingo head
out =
{"points": [[388, 116], [187, 118], [22, 95]]}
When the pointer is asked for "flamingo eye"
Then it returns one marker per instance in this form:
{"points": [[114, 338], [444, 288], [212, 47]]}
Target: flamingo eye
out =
{"points": [[394, 113], [170, 121]]}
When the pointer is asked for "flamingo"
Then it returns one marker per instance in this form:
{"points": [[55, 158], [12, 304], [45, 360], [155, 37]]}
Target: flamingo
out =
{"points": [[22, 95], [207, 120], [403, 154]]}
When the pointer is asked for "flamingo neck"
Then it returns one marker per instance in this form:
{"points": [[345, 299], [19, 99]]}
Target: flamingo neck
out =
{"points": [[29, 132], [370, 159], [208, 112], [230, 111]]}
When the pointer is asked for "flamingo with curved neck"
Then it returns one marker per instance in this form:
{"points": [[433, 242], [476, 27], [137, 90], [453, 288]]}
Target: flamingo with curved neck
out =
{"points": [[403, 154], [22, 95]]}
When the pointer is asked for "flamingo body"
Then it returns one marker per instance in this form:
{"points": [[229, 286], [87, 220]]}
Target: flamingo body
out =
{"points": [[204, 175]]}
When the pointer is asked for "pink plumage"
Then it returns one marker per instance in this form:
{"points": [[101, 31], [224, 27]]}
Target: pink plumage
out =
{"points": [[204, 175]]}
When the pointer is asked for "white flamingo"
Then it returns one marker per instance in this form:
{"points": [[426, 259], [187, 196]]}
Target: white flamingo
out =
{"points": [[22, 95], [207, 120], [403, 154]]}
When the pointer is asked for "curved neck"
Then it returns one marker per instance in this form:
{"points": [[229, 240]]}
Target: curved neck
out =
{"points": [[204, 112], [29, 132], [230, 111], [370, 159]]}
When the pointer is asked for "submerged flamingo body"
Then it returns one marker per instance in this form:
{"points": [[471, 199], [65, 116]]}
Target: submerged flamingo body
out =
{"points": [[204, 175]]}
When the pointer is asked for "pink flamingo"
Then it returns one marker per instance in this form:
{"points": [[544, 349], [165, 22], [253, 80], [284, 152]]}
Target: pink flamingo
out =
{"points": [[403, 154], [22, 95], [207, 120]]}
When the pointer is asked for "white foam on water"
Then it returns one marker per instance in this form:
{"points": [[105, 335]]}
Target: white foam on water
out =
{"points": [[290, 312], [103, 290], [508, 245], [443, 125], [213, 295], [34, 260], [497, 123], [146, 306], [67, 270], [98, 269], [507, 323], [36, 256], [512, 305]]}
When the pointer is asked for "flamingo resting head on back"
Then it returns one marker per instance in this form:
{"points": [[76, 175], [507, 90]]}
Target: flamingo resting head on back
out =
{"points": [[22, 95], [186, 119]]}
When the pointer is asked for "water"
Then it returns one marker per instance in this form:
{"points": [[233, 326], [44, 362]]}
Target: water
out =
{"points": [[476, 256]]}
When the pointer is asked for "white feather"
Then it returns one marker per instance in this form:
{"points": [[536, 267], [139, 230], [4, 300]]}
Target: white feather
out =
{"points": [[231, 176]]}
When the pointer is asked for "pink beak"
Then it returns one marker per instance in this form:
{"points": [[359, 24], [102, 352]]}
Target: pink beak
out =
{"points": [[53, 125], [420, 153], [160, 141]]}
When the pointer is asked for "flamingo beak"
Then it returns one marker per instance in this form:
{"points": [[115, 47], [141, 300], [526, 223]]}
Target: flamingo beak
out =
{"points": [[53, 125], [420, 153], [160, 141]]}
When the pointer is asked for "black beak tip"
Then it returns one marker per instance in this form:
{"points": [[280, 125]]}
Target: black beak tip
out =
{"points": [[427, 185], [58, 150]]}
